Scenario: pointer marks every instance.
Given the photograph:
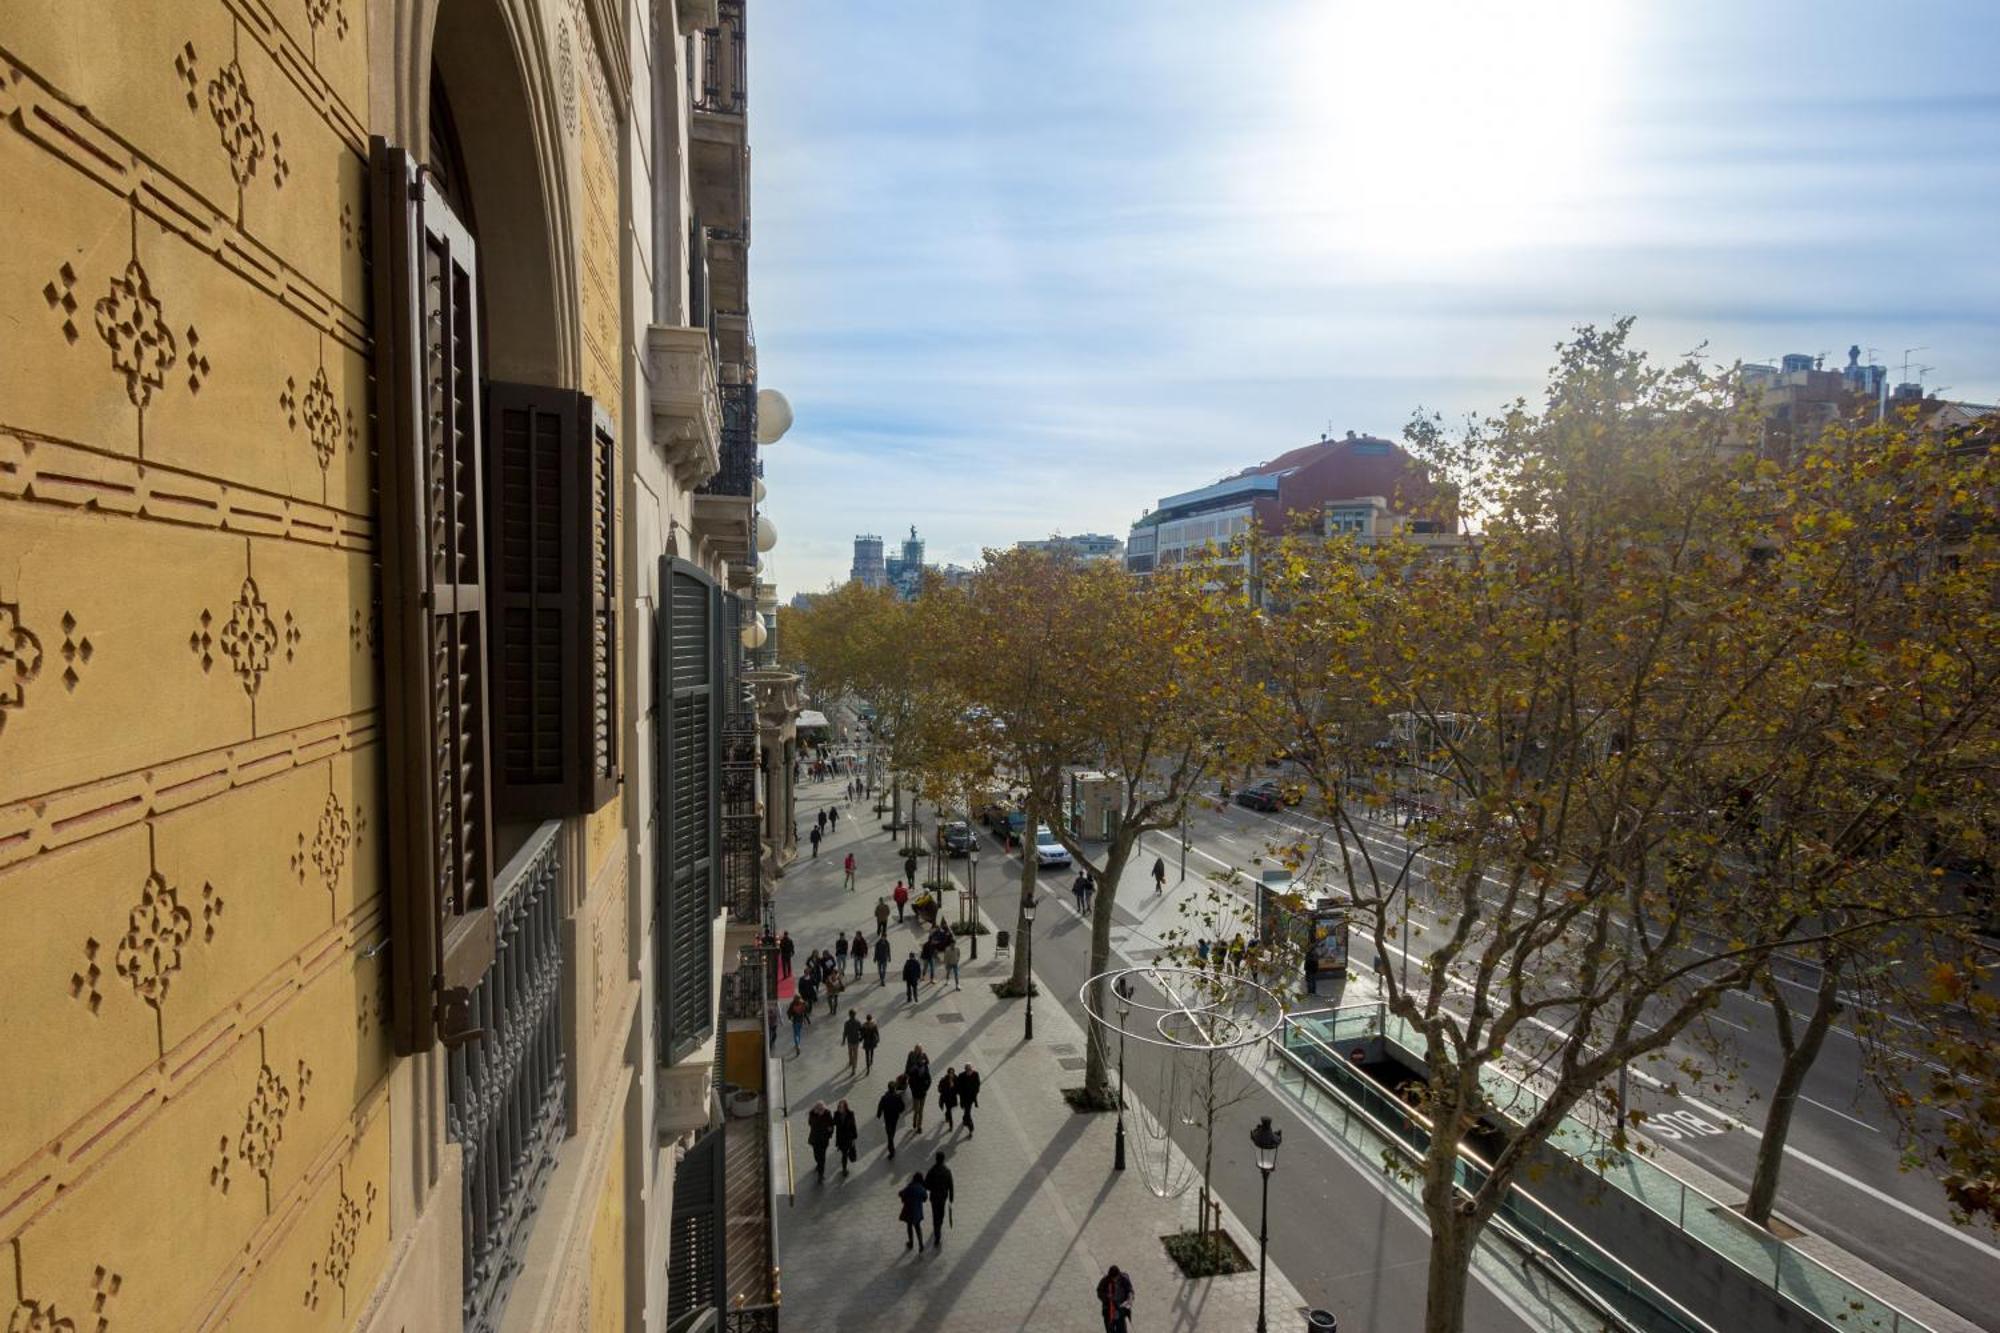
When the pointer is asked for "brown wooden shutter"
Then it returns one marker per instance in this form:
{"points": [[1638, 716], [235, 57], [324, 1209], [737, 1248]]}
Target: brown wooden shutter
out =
{"points": [[433, 567], [550, 564]]}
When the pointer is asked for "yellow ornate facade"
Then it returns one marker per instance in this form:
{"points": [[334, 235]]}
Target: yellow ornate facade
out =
{"points": [[205, 1124]]}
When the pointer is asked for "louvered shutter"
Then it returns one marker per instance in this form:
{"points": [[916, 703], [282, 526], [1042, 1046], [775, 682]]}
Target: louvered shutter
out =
{"points": [[549, 575], [434, 650], [688, 738], [697, 1257]]}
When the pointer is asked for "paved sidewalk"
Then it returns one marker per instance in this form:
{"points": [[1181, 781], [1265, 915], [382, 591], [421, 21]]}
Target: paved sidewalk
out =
{"points": [[1044, 1213]]}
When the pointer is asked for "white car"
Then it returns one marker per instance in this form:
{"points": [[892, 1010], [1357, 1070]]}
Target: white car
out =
{"points": [[1049, 852]]}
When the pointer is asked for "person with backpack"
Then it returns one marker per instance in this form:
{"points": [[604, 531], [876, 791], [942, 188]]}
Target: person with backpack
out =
{"points": [[889, 1110], [850, 1037], [871, 1037], [1114, 1300], [846, 1134]]}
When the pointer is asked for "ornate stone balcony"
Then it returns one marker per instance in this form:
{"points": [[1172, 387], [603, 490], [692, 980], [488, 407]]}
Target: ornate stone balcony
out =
{"points": [[687, 405]]}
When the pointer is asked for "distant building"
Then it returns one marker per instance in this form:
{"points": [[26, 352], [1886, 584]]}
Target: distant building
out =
{"points": [[905, 573], [869, 569], [1799, 398], [1360, 478], [1083, 546]]}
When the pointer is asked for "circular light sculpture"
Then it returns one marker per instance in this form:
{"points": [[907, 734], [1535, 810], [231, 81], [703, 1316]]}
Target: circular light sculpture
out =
{"points": [[767, 533], [754, 634], [757, 489], [774, 416]]}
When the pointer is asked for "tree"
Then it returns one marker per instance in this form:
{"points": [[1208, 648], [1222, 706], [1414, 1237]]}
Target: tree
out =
{"points": [[1656, 642]]}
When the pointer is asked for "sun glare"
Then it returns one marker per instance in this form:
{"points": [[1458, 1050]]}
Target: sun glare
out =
{"points": [[1444, 130]]}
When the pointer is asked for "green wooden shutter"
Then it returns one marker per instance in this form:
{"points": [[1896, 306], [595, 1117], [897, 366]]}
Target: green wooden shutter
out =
{"points": [[433, 569], [697, 1254], [686, 724]]}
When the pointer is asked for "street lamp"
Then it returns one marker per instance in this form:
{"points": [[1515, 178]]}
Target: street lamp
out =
{"points": [[1124, 1011], [1028, 939], [1265, 1139], [972, 892]]}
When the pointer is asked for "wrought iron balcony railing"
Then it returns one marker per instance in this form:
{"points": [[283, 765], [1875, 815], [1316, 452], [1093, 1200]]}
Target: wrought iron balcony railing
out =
{"points": [[751, 1319], [723, 66], [740, 465], [505, 1103], [741, 845]]}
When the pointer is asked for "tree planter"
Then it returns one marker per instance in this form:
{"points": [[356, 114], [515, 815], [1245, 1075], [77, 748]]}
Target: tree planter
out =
{"points": [[1205, 1254], [1083, 1103]]}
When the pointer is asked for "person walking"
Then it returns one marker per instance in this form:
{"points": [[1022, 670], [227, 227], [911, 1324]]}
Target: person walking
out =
{"points": [[881, 960], [819, 1133], [819, 821], [840, 951], [951, 963], [796, 1011], [881, 917], [808, 990], [847, 867], [785, 950], [912, 1213], [835, 981], [929, 956], [910, 866], [913, 972], [938, 1185], [833, 819], [968, 1095], [918, 1077], [902, 897], [889, 1110], [871, 1037], [1089, 892], [1114, 1300], [850, 1037], [1236, 954], [1159, 875], [857, 949], [846, 1134], [947, 1091], [1076, 891], [815, 836]]}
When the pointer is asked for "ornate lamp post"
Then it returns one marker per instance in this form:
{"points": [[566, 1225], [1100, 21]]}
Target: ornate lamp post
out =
{"points": [[1124, 1003], [1028, 921], [1265, 1139]]}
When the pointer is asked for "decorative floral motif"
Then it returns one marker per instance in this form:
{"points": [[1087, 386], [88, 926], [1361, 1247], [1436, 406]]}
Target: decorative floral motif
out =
{"points": [[35, 1317], [330, 844], [142, 346], [322, 417], [566, 75], [234, 112], [264, 1123], [249, 638], [319, 13], [20, 659], [149, 956], [340, 1246]]}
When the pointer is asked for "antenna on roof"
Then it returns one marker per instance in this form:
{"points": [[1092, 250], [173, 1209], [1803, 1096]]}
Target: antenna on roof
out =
{"points": [[1906, 360]]}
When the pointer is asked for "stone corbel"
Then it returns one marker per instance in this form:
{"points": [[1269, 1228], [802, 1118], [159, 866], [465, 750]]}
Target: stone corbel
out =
{"points": [[687, 408], [684, 1093], [694, 15]]}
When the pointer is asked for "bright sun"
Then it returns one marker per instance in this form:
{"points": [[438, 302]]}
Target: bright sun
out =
{"points": [[1444, 130]]}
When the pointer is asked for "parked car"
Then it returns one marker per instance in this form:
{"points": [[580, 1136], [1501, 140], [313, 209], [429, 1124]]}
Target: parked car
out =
{"points": [[1049, 852], [959, 838], [1261, 795]]}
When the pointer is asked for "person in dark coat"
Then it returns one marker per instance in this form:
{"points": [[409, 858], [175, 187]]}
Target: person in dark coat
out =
{"points": [[968, 1094], [797, 1011], [947, 1091], [938, 1185], [785, 949], [840, 951], [910, 868], [1114, 1300], [846, 1134], [832, 820], [881, 917], [857, 949], [1076, 891], [834, 981], [913, 972], [882, 953], [850, 1037], [809, 990], [815, 836], [889, 1110], [819, 822], [871, 1037], [919, 1079], [912, 1213], [819, 1133]]}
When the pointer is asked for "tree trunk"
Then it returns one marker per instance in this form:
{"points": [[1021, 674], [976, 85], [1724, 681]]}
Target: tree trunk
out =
{"points": [[896, 806], [1024, 944], [1452, 1234], [1097, 1066], [1800, 1050]]}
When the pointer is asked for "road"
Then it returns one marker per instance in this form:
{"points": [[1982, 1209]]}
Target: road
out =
{"points": [[1842, 1178]]}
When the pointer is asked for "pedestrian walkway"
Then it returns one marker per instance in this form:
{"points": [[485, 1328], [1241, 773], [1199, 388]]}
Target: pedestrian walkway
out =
{"points": [[1044, 1214]]}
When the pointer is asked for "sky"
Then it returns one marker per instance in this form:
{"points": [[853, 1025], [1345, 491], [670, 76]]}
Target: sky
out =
{"points": [[1026, 267]]}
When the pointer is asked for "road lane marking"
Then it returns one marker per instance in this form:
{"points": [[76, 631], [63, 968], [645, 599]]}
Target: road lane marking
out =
{"points": [[1842, 1114]]}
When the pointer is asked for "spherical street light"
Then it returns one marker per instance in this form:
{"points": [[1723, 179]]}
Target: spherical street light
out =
{"points": [[774, 416], [754, 634], [767, 533], [757, 489]]}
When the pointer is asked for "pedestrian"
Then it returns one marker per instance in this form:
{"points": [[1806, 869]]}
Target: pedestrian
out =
{"points": [[850, 1037], [902, 897], [968, 1094], [808, 991], [912, 1213], [1159, 875], [947, 1091], [835, 983], [815, 836], [889, 1110], [881, 917], [819, 1133], [871, 1037], [785, 948], [918, 1077], [857, 949], [1089, 892], [833, 819], [938, 1185], [910, 866], [848, 868], [819, 821], [881, 960], [1076, 891], [1114, 1300], [796, 1011], [1236, 953], [913, 972], [1201, 952], [840, 951], [846, 1134], [929, 956], [951, 963]]}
